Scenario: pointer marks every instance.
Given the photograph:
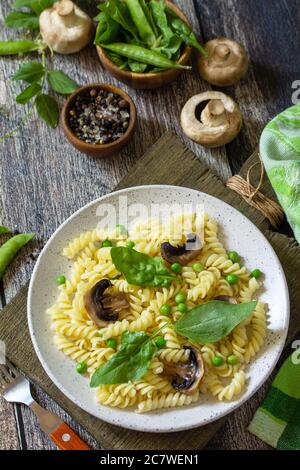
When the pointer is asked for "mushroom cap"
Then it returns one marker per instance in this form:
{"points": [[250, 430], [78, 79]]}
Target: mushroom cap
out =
{"points": [[225, 64], [226, 298], [186, 376], [220, 123], [104, 308], [180, 254], [65, 27]]}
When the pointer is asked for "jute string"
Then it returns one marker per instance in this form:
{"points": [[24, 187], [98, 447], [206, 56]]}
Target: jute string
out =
{"points": [[253, 196]]}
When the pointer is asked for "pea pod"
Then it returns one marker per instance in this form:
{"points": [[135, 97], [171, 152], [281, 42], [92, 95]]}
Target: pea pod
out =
{"points": [[19, 47], [182, 30], [139, 18], [141, 54], [10, 248]]}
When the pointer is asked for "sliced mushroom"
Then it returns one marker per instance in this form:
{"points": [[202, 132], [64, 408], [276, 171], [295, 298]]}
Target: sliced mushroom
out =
{"points": [[104, 308], [181, 254], [186, 376], [225, 64], [226, 298], [220, 122]]}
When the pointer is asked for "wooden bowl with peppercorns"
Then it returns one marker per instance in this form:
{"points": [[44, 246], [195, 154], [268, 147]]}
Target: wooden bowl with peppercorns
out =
{"points": [[98, 119]]}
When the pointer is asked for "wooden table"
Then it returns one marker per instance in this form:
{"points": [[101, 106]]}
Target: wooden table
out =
{"points": [[44, 180]]}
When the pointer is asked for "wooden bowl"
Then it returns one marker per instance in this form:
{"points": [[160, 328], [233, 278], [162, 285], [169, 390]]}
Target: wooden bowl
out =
{"points": [[98, 150], [147, 80]]}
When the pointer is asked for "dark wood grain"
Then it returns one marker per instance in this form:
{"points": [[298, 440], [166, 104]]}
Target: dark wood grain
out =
{"points": [[43, 180]]}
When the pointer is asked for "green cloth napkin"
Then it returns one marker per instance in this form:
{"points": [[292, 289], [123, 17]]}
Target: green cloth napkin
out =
{"points": [[280, 153], [277, 420]]}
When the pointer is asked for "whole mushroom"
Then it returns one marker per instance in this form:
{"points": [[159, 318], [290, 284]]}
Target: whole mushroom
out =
{"points": [[220, 122], [225, 64], [65, 27], [103, 307], [186, 376]]}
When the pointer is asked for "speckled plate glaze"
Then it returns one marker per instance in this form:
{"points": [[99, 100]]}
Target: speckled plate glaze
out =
{"points": [[238, 233]]}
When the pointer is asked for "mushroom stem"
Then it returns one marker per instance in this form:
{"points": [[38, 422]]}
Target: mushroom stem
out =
{"points": [[65, 9], [220, 53], [214, 113]]}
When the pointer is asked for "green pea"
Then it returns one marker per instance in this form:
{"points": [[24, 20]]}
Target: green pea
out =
{"points": [[232, 279], [160, 342], [165, 309], [217, 361], [130, 244], [181, 307], [233, 256], [61, 279], [106, 244], [111, 343], [198, 267], [256, 273], [232, 360], [176, 268], [180, 298], [81, 367]]}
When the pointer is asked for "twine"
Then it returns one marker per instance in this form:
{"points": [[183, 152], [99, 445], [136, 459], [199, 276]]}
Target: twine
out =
{"points": [[253, 196]]}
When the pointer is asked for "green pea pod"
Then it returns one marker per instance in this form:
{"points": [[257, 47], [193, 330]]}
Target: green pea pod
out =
{"points": [[10, 248], [148, 13], [19, 47], [4, 229], [137, 14], [186, 34], [141, 54]]}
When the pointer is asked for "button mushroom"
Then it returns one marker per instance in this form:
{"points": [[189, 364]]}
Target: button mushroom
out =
{"points": [[226, 298], [225, 64], [181, 254], [102, 307], [186, 376], [65, 27], [220, 122]]}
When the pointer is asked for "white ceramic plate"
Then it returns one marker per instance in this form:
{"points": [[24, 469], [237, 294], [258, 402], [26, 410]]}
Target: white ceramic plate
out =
{"points": [[238, 233]]}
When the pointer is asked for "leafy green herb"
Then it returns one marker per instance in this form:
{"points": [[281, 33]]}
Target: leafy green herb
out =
{"points": [[47, 109], [212, 321], [29, 92], [31, 72], [39, 5], [21, 19], [108, 30], [119, 12], [21, 4], [130, 363], [140, 269], [161, 20], [60, 82], [137, 67]]}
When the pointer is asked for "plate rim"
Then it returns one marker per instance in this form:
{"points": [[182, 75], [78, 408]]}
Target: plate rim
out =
{"points": [[234, 404]]}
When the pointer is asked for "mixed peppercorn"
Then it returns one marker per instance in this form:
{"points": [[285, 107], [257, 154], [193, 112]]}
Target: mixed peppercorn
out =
{"points": [[99, 116]]}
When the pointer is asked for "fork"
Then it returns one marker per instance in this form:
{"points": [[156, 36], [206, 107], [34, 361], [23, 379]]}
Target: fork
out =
{"points": [[15, 388]]}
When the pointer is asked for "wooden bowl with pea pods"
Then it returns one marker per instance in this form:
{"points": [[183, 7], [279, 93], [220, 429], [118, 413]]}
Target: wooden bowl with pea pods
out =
{"points": [[152, 79], [98, 150]]}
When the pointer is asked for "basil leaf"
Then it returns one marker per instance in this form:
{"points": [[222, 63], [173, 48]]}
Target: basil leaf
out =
{"points": [[130, 363], [4, 229], [30, 72], [119, 12], [47, 109], [40, 5], [182, 30], [140, 269], [107, 31], [21, 4], [20, 19], [212, 321], [29, 92], [137, 67], [60, 82]]}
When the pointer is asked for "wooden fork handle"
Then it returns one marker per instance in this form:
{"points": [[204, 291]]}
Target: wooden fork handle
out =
{"points": [[58, 431], [66, 439]]}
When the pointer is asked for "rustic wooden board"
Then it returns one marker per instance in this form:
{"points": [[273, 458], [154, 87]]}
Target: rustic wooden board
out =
{"points": [[151, 169], [43, 180]]}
